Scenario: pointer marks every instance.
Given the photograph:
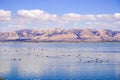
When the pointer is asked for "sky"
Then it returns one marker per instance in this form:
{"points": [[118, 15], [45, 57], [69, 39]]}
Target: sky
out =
{"points": [[43, 14]]}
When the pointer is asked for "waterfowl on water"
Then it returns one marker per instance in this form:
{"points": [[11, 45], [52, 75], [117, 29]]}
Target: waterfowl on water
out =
{"points": [[14, 59], [19, 59]]}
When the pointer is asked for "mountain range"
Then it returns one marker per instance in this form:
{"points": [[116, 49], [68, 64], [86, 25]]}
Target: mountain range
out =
{"points": [[60, 35]]}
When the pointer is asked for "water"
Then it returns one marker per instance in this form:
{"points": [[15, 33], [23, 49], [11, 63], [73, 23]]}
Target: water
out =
{"points": [[60, 61]]}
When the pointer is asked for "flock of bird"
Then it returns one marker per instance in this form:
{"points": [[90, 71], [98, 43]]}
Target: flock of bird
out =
{"points": [[40, 52]]}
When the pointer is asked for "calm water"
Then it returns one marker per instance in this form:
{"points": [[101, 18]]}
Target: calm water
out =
{"points": [[60, 61]]}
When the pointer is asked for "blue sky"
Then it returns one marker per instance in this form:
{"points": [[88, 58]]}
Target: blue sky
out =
{"points": [[64, 6], [98, 14]]}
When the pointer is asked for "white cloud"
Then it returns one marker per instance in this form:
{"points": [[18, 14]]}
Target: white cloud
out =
{"points": [[36, 15], [78, 17], [71, 17], [117, 15], [65, 18], [40, 19], [5, 15], [105, 17], [108, 17]]}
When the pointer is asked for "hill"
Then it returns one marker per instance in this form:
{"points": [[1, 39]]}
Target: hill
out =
{"points": [[61, 35]]}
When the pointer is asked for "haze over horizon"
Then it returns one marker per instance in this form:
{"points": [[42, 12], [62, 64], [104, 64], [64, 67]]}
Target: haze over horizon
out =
{"points": [[39, 14]]}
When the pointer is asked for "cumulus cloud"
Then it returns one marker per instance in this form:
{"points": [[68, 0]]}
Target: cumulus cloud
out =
{"points": [[36, 15], [77, 17], [5, 15], [44, 16], [40, 19], [117, 15], [105, 17], [71, 17]]}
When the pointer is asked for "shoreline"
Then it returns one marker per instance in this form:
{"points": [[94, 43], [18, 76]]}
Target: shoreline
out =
{"points": [[59, 41]]}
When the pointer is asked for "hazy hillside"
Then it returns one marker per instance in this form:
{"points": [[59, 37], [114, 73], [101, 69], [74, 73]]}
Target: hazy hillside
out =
{"points": [[62, 35]]}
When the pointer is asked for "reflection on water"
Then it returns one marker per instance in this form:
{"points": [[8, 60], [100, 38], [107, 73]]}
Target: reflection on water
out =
{"points": [[60, 61]]}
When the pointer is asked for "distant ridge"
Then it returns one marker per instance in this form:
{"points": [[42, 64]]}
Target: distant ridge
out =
{"points": [[61, 35]]}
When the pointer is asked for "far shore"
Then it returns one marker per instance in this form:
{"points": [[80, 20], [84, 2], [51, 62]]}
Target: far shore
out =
{"points": [[59, 41]]}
